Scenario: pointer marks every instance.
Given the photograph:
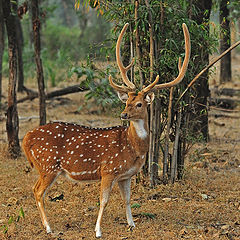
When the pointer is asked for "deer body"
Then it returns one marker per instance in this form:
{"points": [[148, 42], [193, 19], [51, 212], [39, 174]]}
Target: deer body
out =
{"points": [[83, 153], [110, 155]]}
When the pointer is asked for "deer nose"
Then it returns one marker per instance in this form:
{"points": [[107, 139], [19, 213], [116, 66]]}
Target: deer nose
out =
{"points": [[124, 116]]}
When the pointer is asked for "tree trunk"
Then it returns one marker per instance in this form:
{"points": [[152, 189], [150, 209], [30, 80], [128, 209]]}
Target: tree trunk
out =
{"points": [[225, 43], [19, 38], [202, 88], [12, 123], [1, 48], [20, 60], [37, 46]]}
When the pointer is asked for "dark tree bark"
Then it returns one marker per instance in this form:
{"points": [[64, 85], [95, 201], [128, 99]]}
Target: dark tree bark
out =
{"points": [[1, 47], [202, 87], [12, 123], [19, 38], [20, 59], [225, 43], [37, 46]]}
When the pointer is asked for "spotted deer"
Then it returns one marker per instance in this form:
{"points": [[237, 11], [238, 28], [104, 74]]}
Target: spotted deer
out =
{"points": [[110, 155]]}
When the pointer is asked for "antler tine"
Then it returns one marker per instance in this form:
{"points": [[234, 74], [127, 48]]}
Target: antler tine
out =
{"points": [[123, 70], [183, 68], [150, 86], [179, 64], [118, 87]]}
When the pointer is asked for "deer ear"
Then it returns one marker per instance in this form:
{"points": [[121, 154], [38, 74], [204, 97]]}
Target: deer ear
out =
{"points": [[149, 98], [122, 96]]}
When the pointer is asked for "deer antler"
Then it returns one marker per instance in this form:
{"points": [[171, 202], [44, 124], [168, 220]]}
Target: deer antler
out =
{"points": [[131, 87], [123, 70], [181, 67]]}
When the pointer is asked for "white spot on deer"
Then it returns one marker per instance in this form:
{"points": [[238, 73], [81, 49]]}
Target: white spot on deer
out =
{"points": [[84, 160], [67, 162], [72, 152], [57, 126], [77, 146], [116, 154]]}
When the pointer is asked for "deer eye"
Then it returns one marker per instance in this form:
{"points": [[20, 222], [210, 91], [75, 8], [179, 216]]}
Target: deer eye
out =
{"points": [[139, 105]]}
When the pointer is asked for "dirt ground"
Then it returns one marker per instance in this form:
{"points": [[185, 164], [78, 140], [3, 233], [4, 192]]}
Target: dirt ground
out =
{"points": [[204, 205]]}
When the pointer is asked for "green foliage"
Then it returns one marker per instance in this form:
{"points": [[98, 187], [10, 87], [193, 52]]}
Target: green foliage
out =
{"points": [[13, 220], [234, 7], [100, 92], [136, 205], [57, 38], [66, 36]]}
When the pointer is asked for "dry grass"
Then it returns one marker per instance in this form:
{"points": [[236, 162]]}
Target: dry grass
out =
{"points": [[204, 205]]}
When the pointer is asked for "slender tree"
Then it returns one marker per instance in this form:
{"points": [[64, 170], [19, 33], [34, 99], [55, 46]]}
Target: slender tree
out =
{"points": [[36, 24], [225, 42], [202, 87], [1, 47], [12, 123], [19, 39]]}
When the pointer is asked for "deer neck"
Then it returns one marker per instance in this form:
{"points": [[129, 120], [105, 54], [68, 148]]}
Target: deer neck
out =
{"points": [[138, 134]]}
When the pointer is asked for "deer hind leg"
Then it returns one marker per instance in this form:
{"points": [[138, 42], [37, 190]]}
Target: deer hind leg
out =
{"points": [[125, 190], [39, 191], [106, 187]]}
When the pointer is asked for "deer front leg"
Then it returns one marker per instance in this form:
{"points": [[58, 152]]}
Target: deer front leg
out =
{"points": [[39, 191], [106, 187], [125, 190]]}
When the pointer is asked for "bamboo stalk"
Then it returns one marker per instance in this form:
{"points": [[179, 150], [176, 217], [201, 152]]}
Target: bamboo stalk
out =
{"points": [[131, 53], [151, 144], [151, 45], [166, 147], [175, 149], [138, 51]]}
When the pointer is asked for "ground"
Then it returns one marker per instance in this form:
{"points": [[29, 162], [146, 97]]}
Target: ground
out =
{"points": [[204, 205]]}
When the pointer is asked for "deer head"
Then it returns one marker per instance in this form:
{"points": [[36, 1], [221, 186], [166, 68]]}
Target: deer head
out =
{"points": [[128, 94]]}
